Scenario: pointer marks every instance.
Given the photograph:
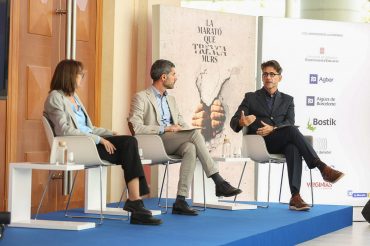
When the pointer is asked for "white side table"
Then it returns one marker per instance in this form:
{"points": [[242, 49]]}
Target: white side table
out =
{"points": [[20, 187], [212, 201]]}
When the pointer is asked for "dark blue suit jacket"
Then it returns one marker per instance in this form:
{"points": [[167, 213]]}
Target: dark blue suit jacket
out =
{"points": [[282, 113]]}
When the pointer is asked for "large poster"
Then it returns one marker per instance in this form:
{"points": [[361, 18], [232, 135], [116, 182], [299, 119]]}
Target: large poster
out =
{"points": [[214, 54], [326, 69]]}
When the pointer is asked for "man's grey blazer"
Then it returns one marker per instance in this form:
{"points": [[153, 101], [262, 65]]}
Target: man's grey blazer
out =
{"points": [[58, 111], [145, 116]]}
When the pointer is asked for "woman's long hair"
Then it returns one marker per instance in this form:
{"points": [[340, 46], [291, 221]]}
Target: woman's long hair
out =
{"points": [[65, 75]]}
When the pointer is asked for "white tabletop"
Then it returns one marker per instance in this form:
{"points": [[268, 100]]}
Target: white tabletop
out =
{"points": [[231, 159], [146, 162], [46, 166], [60, 167]]}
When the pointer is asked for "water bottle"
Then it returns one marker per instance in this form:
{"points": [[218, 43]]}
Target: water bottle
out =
{"points": [[62, 151], [226, 148], [71, 158]]}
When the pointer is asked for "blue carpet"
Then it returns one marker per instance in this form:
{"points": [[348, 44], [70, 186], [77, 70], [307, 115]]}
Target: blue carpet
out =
{"points": [[275, 225]]}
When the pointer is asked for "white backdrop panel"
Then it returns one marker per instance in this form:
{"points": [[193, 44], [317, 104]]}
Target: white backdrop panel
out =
{"points": [[326, 69]]}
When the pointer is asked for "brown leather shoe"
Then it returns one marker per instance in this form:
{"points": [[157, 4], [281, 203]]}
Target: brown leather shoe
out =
{"points": [[331, 175], [297, 203]]}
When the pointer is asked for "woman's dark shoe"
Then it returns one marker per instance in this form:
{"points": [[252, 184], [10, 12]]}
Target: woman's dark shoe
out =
{"points": [[139, 214], [136, 207], [181, 207]]}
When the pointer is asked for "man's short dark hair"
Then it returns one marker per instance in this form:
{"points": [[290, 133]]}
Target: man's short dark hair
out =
{"points": [[274, 64], [160, 67]]}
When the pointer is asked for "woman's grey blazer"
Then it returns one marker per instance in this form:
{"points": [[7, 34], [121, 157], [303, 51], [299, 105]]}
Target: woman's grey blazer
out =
{"points": [[58, 111]]}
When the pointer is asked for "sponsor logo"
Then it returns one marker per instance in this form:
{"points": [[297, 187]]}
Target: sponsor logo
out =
{"points": [[310, 101], [323, 184], [321, 146], [355, 195], [321, 101], [326, 101], [322, 56], [312, 125], [358, 194], [324, 122], [316, 78], [313, 78]]}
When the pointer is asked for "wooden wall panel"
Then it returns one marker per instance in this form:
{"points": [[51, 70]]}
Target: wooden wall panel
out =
{"points": [[2, 153], [40, 17], [38, 83], [37, 44], [86, 52], [83, 20]]}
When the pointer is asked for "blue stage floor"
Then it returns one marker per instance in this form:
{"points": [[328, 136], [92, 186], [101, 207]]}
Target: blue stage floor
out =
{"points": [[275, 225]]}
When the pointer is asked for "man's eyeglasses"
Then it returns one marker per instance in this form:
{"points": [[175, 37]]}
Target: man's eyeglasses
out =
{"points": [[272, 75]]}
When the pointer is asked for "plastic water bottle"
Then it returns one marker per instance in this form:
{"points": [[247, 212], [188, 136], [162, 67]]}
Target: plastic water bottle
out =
{"points": [[71, 158], [62, 152], [226, 148]]}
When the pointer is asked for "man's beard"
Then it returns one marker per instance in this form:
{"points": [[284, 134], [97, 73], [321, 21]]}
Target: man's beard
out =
{"points": [[169, 85]]}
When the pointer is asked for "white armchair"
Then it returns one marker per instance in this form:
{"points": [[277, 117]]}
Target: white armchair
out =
{"points": [[153, 149], [83, 146], [85, 153], [254, 147]]}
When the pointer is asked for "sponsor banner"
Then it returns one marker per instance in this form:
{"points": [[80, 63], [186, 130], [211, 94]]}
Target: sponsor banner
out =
{"points": [[320, 101], [325, 68]]}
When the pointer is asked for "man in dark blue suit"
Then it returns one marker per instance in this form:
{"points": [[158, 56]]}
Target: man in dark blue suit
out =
{"points": [[270, 113]]}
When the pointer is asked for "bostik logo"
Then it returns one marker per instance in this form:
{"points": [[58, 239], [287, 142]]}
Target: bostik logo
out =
{"points": [[310, 101], [324, 122], [310, 126], [328, 122]]}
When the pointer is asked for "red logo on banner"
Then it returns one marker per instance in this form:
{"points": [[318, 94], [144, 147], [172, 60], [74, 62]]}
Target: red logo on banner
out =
{"points": [[324, 185], [322, 50]]}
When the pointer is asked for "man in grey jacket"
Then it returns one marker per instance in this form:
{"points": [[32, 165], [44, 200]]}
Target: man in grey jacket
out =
{"points": [[154, 111]]}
